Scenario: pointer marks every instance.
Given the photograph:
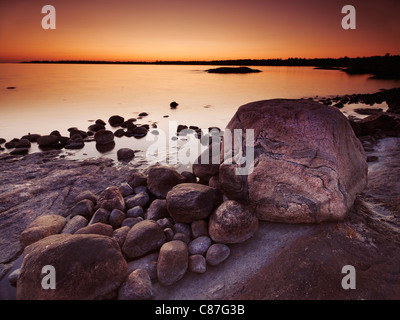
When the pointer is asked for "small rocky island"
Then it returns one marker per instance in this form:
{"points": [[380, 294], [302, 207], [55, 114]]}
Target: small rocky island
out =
{"points": [[233, 70]]}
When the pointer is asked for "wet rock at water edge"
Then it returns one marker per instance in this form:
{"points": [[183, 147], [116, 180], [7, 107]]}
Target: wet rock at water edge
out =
{"points": [[173, 105], [104, 137], [47, 141], [125, 154], [23, 143], [19, 151], [100, 215], [115, 121]]}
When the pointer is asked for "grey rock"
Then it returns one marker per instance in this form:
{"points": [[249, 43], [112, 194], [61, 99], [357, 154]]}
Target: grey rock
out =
{"points": [[135, 212], [74, 224], [199, 245], [141, 199], [217, 253], [130, 222]]}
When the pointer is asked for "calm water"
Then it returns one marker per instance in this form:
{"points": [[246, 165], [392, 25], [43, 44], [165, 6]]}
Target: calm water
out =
{"points": [[56, 97]]}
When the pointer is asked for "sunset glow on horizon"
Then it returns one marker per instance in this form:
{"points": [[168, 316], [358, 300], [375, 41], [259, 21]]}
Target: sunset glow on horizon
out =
{"points": [[132, 30]]}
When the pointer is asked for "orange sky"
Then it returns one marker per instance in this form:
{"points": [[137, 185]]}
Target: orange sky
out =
{"points": [[196, 30]]}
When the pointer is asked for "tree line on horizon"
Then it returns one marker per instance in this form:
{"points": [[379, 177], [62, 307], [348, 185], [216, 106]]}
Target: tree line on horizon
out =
{"points": [[384, 67]]}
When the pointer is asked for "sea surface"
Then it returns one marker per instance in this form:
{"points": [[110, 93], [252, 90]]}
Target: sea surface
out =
{"points": [[51, 97]]}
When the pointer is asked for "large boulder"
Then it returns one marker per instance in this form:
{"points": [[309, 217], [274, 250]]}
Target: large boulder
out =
{"points": [[86, 267], [308, 164], [188, 202], [232, 222]]}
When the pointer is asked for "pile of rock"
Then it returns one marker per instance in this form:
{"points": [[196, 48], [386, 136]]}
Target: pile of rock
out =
{"points": [[308, 168], [154, 227]]}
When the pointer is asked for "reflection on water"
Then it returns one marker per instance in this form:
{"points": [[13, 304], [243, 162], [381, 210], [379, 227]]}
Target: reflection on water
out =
{"points": [[51, 97]]}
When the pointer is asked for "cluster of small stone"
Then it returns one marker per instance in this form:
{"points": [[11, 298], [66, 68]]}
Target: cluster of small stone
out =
{"points": [[165, 223]]}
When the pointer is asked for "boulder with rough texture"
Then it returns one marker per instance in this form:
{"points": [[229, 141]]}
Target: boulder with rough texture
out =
{"points": [[162, 179], [308, 164], [232, 222], [143, 238], [173, 262], [42, 227], [87, 267], [111, 199], [188, 202]]}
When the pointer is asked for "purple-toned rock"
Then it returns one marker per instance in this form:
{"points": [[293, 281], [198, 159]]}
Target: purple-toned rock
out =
{"points": [[87, 267], [157, 210], [100, 215], [143, 238], [162, 179], [83, 208], [173, 262], [199, 228], [232, 222], [111, 199], [104, 137], [74, 224], [197, 263], [42, 227], [137, 286], [97, 228], [217, 253], [199, 245], [308, 164], [188, 202], [116, 218]]}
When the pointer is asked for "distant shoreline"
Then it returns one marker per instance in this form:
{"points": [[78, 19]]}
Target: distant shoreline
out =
{"points": [[379, 67]]}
